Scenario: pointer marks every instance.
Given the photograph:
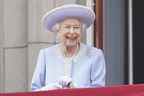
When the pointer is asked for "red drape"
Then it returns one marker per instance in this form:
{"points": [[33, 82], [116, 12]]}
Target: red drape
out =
{"points": [[121, 90]]}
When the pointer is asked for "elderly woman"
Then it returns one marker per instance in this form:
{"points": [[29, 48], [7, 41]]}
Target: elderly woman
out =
{"points": [[69, 64]]}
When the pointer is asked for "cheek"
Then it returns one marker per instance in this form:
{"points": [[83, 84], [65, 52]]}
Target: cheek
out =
{"points": [[79, 35]]}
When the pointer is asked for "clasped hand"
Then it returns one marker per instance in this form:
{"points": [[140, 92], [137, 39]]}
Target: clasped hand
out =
{"points": [[65, 82]]}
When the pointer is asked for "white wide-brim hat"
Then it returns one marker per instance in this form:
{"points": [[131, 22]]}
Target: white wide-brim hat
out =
{"points": [[85, 14]]}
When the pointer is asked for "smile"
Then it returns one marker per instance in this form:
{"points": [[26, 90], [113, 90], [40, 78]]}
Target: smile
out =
{"points": [[72, 36]]}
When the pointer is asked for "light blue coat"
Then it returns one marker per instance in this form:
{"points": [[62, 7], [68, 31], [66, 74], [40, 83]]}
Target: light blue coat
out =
{"points": [[88, 67]]}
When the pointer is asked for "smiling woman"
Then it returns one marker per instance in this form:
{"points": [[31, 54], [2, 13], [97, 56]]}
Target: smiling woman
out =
{"points": [[70, 58]]}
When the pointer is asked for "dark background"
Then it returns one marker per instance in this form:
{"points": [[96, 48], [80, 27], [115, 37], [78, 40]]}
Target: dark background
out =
{"points": [[138, 40]]}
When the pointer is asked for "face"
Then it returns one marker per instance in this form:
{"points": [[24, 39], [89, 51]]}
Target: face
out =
{"points": [[70, 32]]}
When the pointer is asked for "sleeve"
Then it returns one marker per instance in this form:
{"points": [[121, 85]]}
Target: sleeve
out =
{"points": [[38, 79], [98, 70]]}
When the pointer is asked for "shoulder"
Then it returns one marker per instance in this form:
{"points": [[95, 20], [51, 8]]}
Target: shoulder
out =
{"points": [[49, 50], [93, 51]]}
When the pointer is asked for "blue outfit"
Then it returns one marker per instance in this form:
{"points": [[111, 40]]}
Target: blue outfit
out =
{"points": [[87, 67]]}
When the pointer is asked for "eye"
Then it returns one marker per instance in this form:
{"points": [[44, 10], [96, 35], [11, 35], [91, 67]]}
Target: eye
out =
{"points": [[67, 27], [77, 28]]}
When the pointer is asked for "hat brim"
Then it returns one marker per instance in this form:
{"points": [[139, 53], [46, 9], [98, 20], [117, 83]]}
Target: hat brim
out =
{"points": [[85, 14]]}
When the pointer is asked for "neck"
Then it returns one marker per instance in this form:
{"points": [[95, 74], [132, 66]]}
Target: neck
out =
{"points": [[70, 51]]}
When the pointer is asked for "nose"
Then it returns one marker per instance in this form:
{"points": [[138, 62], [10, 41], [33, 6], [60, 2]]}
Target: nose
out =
{"points": [[71, 30]]}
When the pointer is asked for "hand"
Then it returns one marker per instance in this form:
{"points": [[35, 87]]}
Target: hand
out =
{"points": [[65, 82]]}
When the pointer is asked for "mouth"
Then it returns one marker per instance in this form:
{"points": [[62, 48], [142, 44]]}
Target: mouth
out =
{"points": [[72, 36]]}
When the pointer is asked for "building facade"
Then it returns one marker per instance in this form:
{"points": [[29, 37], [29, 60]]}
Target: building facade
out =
{"points": [[22, 36]]}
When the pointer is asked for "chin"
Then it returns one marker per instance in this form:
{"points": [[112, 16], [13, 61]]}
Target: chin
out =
{"points": [[71, 44]]}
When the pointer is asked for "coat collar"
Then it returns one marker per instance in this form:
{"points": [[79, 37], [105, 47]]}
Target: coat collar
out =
{"points": [[81, 54]]}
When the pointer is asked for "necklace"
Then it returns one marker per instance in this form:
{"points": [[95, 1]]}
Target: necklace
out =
{"points": [[68, 60]]}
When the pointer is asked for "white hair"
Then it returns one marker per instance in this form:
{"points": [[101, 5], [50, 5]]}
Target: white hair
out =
{"points": [[56, 27]]}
